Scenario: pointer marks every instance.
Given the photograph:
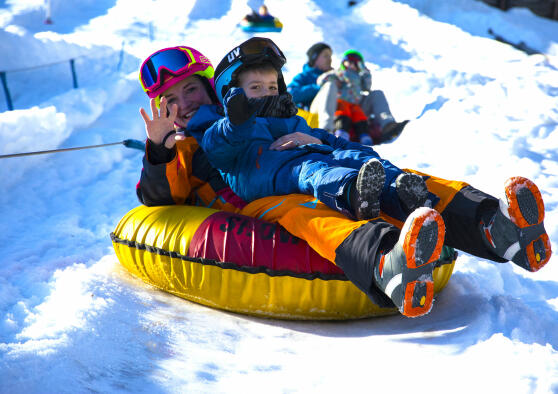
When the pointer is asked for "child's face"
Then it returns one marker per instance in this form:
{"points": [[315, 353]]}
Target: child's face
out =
{"points": [[350, 65], [323, 61], [189, 94], [259, 83]]}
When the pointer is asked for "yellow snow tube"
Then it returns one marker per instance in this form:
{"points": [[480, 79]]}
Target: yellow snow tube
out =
{"points": [[240, 264]]}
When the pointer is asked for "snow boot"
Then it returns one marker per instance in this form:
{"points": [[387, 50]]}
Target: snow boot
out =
{"points": [[365, 139], [391, 131], [405, 273], [365, 199], [411, 190], [340, 133], [361, 130], [516, 230], [343, 125]]}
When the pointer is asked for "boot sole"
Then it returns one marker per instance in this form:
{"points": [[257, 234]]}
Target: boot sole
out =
{"points": [[423, 244], [369, 184], [526, 211], [411, 190]]}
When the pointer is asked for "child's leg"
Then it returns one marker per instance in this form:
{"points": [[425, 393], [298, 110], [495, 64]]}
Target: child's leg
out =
{"points": [[318, 176], [361, 131], [322, 177], [402, 192], [325, 104], [342, 120], [375, 105], [360, 124]]}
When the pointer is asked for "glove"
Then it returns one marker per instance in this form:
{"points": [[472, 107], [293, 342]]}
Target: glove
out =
{"points": [[240, 108], [326, 77], [281, 106], [366, 80]]}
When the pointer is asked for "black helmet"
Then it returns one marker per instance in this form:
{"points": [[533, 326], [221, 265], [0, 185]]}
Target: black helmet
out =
{"points": [[252, 51]]}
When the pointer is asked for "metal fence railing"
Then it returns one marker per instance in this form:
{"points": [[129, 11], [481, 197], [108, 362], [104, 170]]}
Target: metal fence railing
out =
{"points": [[72, 68]]}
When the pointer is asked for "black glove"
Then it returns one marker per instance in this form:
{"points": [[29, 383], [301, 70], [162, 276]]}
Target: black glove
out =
{"points": [[240, 108], [281, 106]]}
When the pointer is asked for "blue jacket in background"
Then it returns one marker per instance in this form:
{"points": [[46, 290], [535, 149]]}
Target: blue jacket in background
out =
{"points": [[303, 87], [252, 170]]}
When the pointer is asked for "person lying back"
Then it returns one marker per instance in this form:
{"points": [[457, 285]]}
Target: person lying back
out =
{"points": [[262, 148]]}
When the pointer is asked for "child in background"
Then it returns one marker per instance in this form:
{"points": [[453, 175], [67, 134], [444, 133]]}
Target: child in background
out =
{"points": [[352, 78], [262, 15]]}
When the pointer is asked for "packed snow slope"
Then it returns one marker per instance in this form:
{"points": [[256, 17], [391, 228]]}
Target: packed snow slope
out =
{"points": [[73, 321]]}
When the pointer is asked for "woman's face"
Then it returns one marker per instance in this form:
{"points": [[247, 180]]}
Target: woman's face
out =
{"points": [[323, 61], [259, 83], [189, 95]]}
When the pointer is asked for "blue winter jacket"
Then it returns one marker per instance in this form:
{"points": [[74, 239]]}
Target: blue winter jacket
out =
{"points": [[303, 87], [242, 154]]}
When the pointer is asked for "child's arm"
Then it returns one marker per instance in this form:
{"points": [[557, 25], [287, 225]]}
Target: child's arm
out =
{"points": [[366, 80], [239, 108], [332, 140], [293, 140], [330, 76], [298, 124]]}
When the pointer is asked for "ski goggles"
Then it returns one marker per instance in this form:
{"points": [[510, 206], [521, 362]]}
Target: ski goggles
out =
{"points": [[174, 61], [258, 47]]}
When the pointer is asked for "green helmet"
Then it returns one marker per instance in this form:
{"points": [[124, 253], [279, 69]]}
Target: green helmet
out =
{"points": [[353, 56]]}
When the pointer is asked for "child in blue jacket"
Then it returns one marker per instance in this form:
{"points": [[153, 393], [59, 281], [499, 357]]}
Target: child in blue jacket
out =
{"points": [[304, 86], [253, 158]]}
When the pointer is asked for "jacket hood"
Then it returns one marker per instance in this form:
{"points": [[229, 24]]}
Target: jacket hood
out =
{"points": [[204, 117]]}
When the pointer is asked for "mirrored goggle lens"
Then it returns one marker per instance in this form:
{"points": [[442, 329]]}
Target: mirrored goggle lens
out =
{"points": [[262, 47], [172, 59]]}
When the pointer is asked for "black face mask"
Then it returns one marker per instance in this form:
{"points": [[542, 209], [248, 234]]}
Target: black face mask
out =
{"points": [[281, 106]]}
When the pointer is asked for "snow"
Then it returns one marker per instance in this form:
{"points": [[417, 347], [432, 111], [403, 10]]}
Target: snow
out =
{"points": [[73, 320]]}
